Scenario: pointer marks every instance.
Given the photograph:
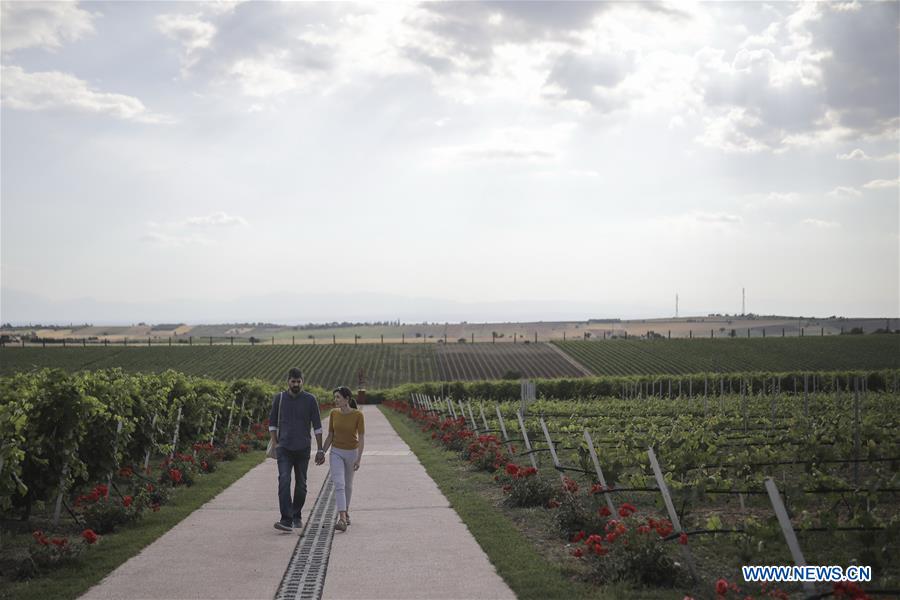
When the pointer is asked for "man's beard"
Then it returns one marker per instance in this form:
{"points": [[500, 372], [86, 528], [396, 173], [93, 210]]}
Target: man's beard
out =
{"points": [[295, 389]]}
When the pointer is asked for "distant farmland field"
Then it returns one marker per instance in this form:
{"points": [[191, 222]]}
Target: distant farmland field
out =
{"points": [[627, 357], [323, 365], [387, 365], [472, 362]]}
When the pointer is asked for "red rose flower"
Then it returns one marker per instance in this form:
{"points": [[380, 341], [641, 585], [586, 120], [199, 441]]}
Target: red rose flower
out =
{"points": [[90, 536], [127, 500], [604, 511], [682, 539], [721, 587], [600, 550], [40, 538], [577, 553], [578, 537], [512, 469], [60, 542]]}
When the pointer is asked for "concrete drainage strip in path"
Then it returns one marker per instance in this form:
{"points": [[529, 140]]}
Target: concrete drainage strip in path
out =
{"points": [[304, 578]]}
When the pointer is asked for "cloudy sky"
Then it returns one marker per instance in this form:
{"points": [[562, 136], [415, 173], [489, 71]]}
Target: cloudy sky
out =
{"points": [[301, 161]]}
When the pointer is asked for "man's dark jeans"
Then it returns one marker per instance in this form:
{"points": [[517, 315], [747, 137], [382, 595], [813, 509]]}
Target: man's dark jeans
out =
{"points": [[298, 461]]}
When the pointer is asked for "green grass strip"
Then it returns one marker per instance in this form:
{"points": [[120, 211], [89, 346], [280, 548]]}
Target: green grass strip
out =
{"points": [[527, 573], [70, 581]]}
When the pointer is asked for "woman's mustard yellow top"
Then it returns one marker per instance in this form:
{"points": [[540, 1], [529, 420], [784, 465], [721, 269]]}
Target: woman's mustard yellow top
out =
{"points": [[344, 428]]}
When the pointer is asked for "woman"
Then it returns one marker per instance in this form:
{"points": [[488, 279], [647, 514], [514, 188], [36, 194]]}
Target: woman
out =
{"points": [[346, 436]]}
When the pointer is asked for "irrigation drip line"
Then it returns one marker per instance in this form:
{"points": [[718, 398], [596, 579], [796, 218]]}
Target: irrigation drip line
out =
{"points": [[868, 592], [757, 418], [854, 490], [532, 451], [723, 445], [675, 536], [562, 469], [731, 492], [809, 491], [776, 463]]}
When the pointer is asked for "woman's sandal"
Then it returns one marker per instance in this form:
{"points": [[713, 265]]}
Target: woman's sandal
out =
{"points": [[348, 520], [341, 525]]}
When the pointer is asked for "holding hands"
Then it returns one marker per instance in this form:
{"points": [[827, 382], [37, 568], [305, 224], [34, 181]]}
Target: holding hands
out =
{"points": [[320, 457]]}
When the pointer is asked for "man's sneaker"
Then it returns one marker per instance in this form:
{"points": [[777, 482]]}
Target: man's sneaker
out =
{"points": [[282, 527]]}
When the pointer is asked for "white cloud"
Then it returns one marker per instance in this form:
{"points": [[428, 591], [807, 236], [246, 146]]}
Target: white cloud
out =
{"points": [[821, 224], [191, 30], [42, 24], [174, 234], [169, 240], [53, 90], [771, 200], [512, 144], [706, 217], [220, 7], [737, 131], [817, 75], [217, 219], [698, 220], [880, 184], [270, 75], [858, 154], [855, 154], [844, 192]]}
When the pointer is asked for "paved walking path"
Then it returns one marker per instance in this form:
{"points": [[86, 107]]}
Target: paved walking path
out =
{"points": [[405, 540]]}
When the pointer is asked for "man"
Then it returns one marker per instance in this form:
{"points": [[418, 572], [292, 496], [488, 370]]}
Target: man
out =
{"points": [[299, 412]]}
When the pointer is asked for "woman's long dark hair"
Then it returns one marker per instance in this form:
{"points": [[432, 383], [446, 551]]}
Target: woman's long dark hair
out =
{"points": [[347, 394]]}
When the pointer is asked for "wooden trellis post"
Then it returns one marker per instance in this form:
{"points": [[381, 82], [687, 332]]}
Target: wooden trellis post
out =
{"points": [[600, 477], [483, 419], [503, 430], [526, 441], [152, 442], [670, 508], [115, 453], [175, 437], [62, 490], [788, 530], [555, 458], [472, 417]]}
